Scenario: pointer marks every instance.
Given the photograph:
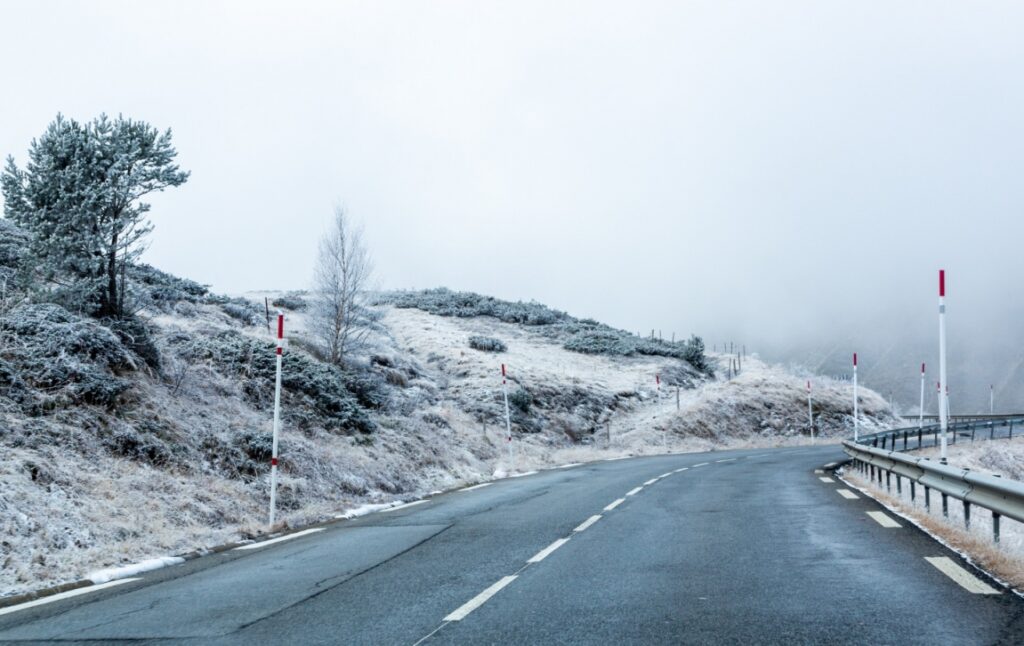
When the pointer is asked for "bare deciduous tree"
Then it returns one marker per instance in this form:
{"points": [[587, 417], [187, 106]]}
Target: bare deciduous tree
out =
{"points": [[343, 268]]}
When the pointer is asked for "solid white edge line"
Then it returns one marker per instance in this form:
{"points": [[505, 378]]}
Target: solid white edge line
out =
{"points": [[962, 577], [460, 613], [846, 493], [256, 546], [882, 519], [633, 492], [680, 470], [570, 465], [587, 523], [478, 486], [520, 475], [664, 475], [615, 504], [650, 482], [407, 504], [544, 553], [65, 595]]}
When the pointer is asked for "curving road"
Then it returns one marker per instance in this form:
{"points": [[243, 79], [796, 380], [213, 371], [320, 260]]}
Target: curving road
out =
{"points": [[725, 547]]}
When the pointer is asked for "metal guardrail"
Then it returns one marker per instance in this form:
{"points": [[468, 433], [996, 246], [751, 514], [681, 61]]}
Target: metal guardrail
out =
{"points": [[989, 427], [964, 418], [1001, 497]]}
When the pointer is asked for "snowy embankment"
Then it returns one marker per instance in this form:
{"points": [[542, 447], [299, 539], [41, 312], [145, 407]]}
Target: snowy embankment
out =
{"points": [[151, 462]]}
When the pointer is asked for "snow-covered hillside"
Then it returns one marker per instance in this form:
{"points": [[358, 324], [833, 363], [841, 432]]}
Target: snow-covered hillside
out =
{"points": [[125, 445]]}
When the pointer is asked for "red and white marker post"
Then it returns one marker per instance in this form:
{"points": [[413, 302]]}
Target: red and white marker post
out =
{"points": [[508, 420], [277, 417], [943, 400], [856, 419], [810, 411], [920, 409]]}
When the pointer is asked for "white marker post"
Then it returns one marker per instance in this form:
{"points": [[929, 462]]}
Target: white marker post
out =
{"points": [[943, 401], [920, 410], [810, 411], [856, 421], [508, 420], [277, 418], [991, 399], [664, 437]]}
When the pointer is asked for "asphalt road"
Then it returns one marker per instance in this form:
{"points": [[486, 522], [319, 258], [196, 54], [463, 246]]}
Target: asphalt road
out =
{"points": [[729, 547]]}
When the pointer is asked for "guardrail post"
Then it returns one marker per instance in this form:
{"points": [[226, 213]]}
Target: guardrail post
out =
{"points": [[919, 432], [967, 515], [945, 505], [1011, 429], [871, 472], [927, 498], [904, 440], [913, 490], [991, 430], [888, 481], [899, 485], [995, 527], [972, 433]]}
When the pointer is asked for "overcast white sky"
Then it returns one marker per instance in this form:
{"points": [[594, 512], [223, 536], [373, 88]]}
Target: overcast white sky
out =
{"points": [[759, 170]]}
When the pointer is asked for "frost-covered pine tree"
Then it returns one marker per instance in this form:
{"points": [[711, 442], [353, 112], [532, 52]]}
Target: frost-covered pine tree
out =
{"points": [[80, 198]]}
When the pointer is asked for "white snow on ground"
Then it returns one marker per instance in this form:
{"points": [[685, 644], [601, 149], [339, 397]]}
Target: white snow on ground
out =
{"points": [[65, 513], [123, 572]]}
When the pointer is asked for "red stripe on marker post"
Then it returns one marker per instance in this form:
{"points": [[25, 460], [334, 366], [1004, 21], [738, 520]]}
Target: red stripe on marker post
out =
{"points": [[854, 358], [942, 282], [922, 368], [273, 462], [280, 326]]}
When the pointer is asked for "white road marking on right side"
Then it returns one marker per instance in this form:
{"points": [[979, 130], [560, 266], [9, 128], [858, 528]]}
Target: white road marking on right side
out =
{"points": [[846, 493], [64, 595], [479, 486], [479, 599], [256, 546], [702, 464], [615, 504], [587, 523], [882, 519], [824, 479], [544, 553], [664, 475], [650, 482], [406, 504], [633, 492], [726, 460], [680, 470], [965, 579]]}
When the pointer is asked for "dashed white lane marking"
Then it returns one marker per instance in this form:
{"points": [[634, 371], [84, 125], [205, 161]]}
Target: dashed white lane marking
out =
{"points": [[702, 464], [824, 479], [407, 504], [544, 553], [680, 470], [615, 504], [64, 595], [650, 482], [256, 546], [965, 579], [882, 519], [587, 523], [664, 475], [846, 493], [633, 492], [726, 460], [520, 475], [479, 599], [479, 486], [819, 471]]}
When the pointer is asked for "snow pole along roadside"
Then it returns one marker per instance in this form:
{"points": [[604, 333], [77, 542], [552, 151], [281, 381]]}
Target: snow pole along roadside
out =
{"points": [[920, 409], [664, 436], [943, 400], [810, 411], [856, 421], [277, 418], [991, 399], [508, 419]]}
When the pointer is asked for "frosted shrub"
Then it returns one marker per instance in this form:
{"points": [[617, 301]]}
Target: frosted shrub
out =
{"points": [[444, 302], [290, 301], [161, 291], [487, 344], [62, 359], [242, 310]]}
